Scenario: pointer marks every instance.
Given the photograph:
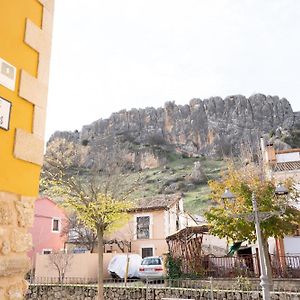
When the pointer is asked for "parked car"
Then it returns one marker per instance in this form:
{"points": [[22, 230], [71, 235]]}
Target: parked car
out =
{"points": [[117, 265], [152, 268]]}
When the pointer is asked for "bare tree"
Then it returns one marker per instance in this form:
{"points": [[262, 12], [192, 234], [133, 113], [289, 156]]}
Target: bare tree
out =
{"points": [[109, 170], [122, 238], [60, 261], [78, 234], [98, 195]]}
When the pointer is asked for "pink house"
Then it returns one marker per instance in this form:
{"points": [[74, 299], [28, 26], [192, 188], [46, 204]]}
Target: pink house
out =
{"points": [[49, 220]]}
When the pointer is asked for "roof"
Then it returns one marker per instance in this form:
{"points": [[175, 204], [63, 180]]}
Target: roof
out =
{"points": [[287, 166], [47, 208], [158, 202], [288, 151], [188, 231]]}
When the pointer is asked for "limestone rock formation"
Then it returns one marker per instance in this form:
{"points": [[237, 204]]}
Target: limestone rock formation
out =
{"points": [[198, 174]]}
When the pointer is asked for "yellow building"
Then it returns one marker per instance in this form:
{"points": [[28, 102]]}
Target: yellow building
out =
{"points": [[25, 32]]}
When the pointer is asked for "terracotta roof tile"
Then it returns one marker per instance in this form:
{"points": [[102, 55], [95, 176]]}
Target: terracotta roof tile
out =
{"points": [[157, 202], [288, 151], [287, 166]]}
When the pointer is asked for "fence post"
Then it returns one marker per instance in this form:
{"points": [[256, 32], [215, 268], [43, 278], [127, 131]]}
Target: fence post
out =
{"points": [[211, 288], [147, 286]]}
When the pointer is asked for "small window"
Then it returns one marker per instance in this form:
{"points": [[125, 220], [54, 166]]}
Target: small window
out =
{"points": [[47, 251], [143, 227], [55, 225], [147, 252], [177, 216], [79, 250]]}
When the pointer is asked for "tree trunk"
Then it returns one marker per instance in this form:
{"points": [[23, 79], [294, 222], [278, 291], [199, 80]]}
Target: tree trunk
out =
{"points": [[268, 262], [100, 263], [59, 275]]}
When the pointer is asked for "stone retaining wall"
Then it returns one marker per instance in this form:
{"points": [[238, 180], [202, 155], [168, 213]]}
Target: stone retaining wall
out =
{"points": [[77, 292], [16, 216]]}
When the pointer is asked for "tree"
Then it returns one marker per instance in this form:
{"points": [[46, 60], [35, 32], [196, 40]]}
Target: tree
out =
{"points": [[228, 219], [99, 212], [60, 260], [79, 234], [96, 195], [123, 238]]}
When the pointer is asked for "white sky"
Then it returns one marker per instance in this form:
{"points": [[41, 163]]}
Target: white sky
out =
{"points": [[113, 54]]}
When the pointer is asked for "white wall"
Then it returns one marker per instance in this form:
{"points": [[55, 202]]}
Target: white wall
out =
{"points": [[214, 245], [286, 157], [292, 245]]}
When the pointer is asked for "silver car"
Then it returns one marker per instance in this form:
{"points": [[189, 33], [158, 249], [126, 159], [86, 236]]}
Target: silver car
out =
{"points": [[152, 268]]}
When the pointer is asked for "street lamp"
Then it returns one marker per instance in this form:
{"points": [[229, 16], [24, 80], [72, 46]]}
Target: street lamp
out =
{"points": [[281, 190], [264, 282], [227, 195]]}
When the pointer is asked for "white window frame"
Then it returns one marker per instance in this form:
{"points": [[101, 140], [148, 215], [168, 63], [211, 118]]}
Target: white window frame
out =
{"points": [[59, 225], [147, 246], [167, 222], [43, 251], [150, 225]]}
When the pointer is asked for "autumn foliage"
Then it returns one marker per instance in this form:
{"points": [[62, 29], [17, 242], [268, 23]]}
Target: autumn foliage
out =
{"points": [[233, 219]]}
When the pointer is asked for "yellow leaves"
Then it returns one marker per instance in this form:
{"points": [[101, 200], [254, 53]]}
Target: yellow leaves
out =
{"points": [[229, 217], [100, 210]]}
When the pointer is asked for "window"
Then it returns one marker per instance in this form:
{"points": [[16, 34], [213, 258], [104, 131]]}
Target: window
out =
{"points": [[47, 251], [143, 227], [151, 261], [147, 252], [55, 225], [177, 216], [79, 250]]}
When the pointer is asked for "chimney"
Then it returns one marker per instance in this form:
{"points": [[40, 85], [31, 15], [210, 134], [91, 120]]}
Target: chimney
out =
{"points": [[263, 150], [270, 154]]}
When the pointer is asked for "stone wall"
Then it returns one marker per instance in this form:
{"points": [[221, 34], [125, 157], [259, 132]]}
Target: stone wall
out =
{"points": [[16, 216], [74, 292]]}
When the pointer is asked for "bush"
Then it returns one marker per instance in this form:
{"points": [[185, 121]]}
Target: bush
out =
{"points": [[173, 266], [84, 142]]}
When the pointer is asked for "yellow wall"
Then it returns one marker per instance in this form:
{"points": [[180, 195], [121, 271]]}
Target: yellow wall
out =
{"points": [[157, 241], [16, 175]]}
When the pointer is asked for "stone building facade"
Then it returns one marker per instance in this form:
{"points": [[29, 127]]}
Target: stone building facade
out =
{"points": [[25, 32]]}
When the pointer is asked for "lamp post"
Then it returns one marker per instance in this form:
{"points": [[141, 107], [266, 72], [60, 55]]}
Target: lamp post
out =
{"points": [[264, 282]]}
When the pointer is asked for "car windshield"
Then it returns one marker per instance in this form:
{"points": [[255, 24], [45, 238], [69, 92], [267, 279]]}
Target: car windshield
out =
{"points": [[151, 261]]}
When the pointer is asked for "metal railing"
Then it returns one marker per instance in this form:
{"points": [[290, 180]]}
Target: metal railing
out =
{"points": [[135, 289], [245, 265], [238, 283], [286, 266], [64, 281]]}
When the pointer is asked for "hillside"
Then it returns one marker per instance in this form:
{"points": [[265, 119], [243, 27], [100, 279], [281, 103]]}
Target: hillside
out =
{"points": [[176, 176], [163, 144]]}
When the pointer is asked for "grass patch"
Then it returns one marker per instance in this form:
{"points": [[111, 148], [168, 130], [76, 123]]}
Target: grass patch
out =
{"points": [[196, 197]]}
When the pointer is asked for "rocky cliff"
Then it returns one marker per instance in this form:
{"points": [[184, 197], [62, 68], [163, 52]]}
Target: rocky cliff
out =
{"points": [[211, 127]]}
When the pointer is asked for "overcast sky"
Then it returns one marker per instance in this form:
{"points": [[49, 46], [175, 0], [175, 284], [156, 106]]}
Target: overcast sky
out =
{"points": [[109, 55]]}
